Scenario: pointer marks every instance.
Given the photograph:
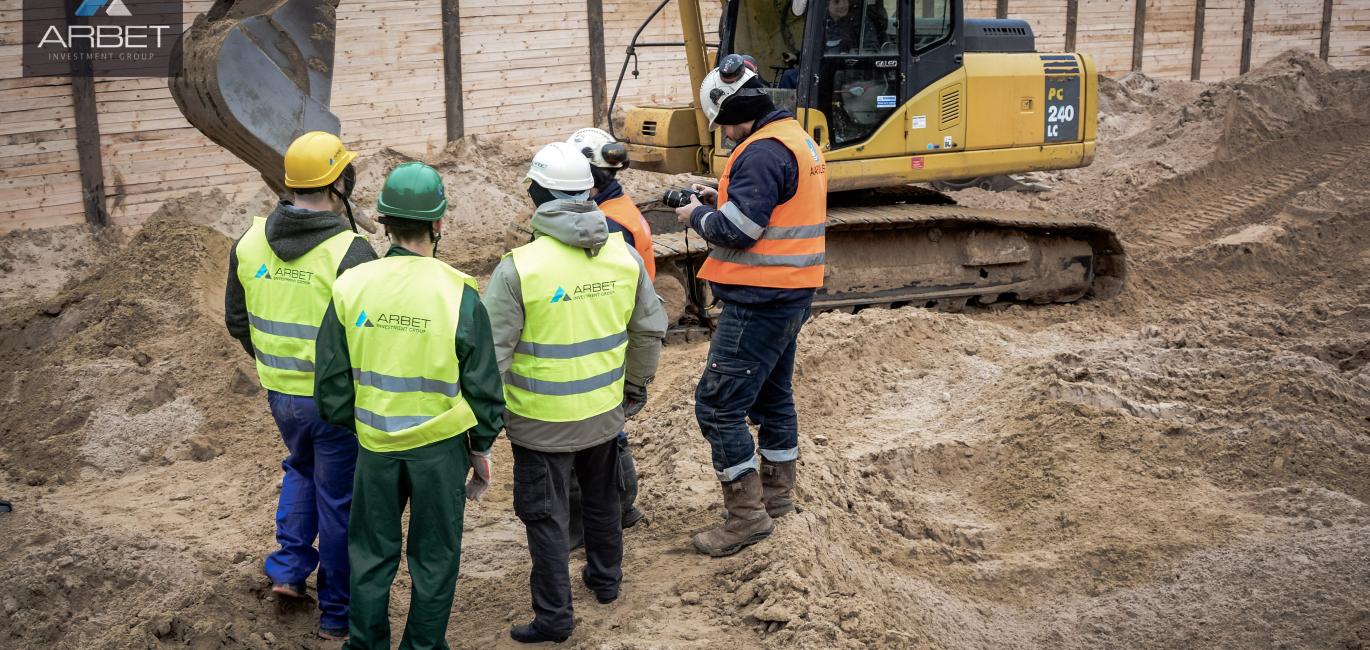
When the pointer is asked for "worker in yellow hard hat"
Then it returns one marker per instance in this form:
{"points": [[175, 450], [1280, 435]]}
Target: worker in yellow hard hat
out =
{"points": [[280, 281]]}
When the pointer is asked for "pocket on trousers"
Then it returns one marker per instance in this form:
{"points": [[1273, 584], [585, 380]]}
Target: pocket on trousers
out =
{"points": [[532, 494], [728, 381]]}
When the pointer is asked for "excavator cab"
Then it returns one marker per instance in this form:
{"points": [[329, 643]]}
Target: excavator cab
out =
{"points": [[849, 63], [893, 91]]}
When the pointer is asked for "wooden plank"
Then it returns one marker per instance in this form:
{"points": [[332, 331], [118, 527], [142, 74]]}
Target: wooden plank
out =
{"points": [[1248, 20], [1138, 34], [594, 13], [451, 66], [1325, 36], [1197, 56], [1072, 23], [87, 134]]}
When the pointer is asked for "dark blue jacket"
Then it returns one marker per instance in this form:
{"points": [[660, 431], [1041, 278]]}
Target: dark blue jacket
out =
{"points": [[609, 192], [762, 177]]}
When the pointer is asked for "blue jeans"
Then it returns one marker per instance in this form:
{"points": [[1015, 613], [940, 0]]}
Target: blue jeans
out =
{"points": [[316, 498], [748, 375]]}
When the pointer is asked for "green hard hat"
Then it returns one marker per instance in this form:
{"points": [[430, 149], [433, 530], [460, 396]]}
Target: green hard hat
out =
{"points": [[413, 191]]}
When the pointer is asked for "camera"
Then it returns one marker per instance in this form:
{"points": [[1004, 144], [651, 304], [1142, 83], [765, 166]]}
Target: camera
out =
{"points": [[678, 198]]}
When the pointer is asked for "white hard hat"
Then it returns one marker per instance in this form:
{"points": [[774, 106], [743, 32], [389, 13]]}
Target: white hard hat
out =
{"points": [[721, 83], [595, 145], [561, 166]]}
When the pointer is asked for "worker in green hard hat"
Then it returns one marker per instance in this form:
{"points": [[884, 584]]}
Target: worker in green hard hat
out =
{"points": [[406, 359]]}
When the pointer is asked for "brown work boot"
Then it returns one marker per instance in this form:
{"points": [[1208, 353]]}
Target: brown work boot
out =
{"points": [[747, 521], [777, 481]]}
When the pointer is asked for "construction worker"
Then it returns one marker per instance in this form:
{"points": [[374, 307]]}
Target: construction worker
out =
{"points": [[406, 360], [607, 156], [578, 331], [280, 278], [767, 233]]}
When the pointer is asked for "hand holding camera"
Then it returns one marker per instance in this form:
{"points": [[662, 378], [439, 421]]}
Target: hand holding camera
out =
{"points": [[685, 200]]}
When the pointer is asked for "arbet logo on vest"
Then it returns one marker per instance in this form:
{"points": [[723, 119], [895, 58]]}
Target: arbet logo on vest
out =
{"points": [[394, 322], [285, 273], [588, 290]]}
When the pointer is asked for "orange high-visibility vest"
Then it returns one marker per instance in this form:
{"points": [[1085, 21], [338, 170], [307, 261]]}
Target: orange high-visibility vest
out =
{"points": [[625, 213], [789, 252]]}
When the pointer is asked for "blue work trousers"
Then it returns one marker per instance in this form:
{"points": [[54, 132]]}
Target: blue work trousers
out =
{"points": [[749, 375], [316, 498]]}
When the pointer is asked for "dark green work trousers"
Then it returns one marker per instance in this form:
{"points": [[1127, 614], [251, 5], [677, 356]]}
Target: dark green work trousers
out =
{"points": [[432, 480]]}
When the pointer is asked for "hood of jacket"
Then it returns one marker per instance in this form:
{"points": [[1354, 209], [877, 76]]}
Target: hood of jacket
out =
{"points": [[291, 232], [577, 223]]}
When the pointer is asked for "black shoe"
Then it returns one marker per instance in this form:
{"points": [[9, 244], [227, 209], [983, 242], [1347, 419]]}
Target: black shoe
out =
{"points": [[603, 599], [529, 634], [631, 517]]}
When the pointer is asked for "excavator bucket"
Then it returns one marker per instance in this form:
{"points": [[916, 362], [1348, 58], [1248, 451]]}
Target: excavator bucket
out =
{"points": [[256, 74]]}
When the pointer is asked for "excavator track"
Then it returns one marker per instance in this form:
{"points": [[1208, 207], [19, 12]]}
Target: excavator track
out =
{"points": [[940, 256]]}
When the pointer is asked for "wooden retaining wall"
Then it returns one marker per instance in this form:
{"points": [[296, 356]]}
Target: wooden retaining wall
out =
{"points": [[532, 71]]}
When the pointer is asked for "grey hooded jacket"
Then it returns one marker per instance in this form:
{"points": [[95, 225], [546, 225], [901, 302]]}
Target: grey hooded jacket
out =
{"points": [[578, 223]]}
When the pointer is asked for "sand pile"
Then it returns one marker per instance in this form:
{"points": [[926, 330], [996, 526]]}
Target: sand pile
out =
{"points": [[1155, 134]]}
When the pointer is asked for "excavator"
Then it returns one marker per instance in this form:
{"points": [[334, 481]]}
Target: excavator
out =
{"points": [[895, 92]]}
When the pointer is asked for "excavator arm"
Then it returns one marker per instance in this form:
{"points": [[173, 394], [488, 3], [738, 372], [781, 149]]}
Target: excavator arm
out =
{"points": [[256, 74]]}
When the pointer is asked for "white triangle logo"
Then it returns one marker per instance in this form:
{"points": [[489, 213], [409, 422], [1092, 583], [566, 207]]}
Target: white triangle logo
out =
{"points": [[117, 8]]}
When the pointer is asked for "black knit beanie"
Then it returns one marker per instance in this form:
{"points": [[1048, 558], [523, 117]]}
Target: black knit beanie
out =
{"points": [[751, 102]]}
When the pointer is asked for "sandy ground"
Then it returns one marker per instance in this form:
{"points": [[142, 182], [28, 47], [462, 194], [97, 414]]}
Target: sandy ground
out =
{"points": [[1186, 466]]}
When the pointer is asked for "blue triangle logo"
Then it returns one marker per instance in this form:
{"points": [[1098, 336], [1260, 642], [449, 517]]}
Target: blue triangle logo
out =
{"points": [[262, 273], [363, 321], [560, 295]]}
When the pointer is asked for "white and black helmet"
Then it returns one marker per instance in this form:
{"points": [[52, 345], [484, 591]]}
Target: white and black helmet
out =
{"points": [[600, 148], [726, 82]]}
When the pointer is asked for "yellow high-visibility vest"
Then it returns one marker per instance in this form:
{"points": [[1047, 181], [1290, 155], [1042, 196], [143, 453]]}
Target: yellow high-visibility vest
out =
{"points": [[401, 315], [568, 365], [286, 301]]}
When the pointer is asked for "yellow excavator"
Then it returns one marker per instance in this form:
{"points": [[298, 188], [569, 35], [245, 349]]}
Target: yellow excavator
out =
{"points": [[896, 92]]}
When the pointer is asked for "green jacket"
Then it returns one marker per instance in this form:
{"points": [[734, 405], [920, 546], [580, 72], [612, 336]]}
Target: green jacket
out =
{"points": [[480, 376]]}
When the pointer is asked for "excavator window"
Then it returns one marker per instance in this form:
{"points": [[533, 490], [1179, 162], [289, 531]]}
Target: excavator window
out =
{"points": [[768, 31], [859, 72], [931, 23]]}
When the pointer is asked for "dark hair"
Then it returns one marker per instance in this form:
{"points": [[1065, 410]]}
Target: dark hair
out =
{"points": [[311, 190], [602, 175], [539, 194], [406, 228]]}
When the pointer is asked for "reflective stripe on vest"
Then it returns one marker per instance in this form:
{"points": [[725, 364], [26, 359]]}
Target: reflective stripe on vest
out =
{"points": [[625, 213], [401, 316], [285, 303], [790, 252], [568, 365]]}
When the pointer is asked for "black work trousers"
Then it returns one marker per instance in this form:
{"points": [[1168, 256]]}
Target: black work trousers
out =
{"points": [[542, 501]]}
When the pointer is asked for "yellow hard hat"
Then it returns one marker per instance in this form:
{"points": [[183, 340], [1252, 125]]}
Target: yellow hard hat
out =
{"points": [[315, 159]]}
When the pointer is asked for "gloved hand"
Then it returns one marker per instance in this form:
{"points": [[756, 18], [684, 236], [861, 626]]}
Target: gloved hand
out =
{"points": [[480, 475], [634, 398]]}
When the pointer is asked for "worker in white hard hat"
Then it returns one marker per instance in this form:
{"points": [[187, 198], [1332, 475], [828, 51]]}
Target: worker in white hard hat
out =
{"points": [[577, 330], [607, 157], [765, 226]]}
